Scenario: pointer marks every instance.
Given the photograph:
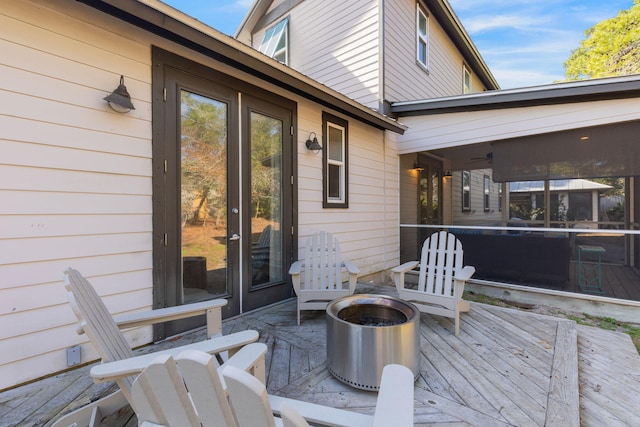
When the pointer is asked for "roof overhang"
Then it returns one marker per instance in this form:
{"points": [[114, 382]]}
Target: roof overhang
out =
{"points": [[559, 93], [463, 129], [166, 22]]}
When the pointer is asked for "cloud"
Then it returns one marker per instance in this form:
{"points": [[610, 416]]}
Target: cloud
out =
{"points": [[484, 23], [235, 6]]}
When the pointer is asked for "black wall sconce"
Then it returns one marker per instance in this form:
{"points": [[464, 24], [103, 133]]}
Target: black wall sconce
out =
{"points": [[417, 167], [119, 100], [313, 144], [447, 174]]}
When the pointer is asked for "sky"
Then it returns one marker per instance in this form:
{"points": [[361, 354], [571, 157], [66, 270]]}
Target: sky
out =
{"points": [[524, 42]]}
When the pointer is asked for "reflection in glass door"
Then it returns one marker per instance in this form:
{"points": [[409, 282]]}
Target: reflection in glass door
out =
{"points": [[266, 200], [267, 141], [203, 196]]}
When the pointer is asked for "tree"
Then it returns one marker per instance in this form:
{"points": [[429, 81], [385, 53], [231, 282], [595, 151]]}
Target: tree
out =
{"points": [[610, 48], [203, 159]]}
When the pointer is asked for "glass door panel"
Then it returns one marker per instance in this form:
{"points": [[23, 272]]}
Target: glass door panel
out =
{"points": [[203, 196], [266, 200]]}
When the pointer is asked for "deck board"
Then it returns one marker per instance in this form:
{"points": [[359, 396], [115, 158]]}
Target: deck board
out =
{"points": [[499, 371], [607, 397]]}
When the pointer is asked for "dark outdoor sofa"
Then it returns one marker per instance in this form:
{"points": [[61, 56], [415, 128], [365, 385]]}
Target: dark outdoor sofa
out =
{"points": [[518, 258]]}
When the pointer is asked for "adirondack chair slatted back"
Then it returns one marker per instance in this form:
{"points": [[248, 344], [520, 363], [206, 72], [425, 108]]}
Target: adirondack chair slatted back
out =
{"points": [[261, 252], [191, 390], [249, 399], [317, 276], [201, 373], [441, 257], [160, 396], [322, 263], [185, 391], [441, 278], [97, 322]]}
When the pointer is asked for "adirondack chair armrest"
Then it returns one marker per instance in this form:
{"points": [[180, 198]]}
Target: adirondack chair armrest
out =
{"points": [[351, 267], [395, 398], [250, 358], [394, 406], [403, 268], [323, 415], [212, 309], [399, 271], [465, 274], [111, 371], [295, 268]]}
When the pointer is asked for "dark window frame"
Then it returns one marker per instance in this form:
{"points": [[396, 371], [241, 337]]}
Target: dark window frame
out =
{"points": [[327, 163]]}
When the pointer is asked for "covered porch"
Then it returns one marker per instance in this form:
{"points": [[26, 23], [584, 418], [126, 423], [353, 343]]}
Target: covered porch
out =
{"points": [[540, 184], [507, 367]]}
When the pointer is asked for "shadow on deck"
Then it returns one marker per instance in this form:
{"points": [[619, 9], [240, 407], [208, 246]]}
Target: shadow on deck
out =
{"points": [[506, 367]]}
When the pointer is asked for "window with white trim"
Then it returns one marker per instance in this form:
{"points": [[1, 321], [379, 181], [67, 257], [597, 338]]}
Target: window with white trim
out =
{"points": [[276, 42], [487, 192], [422, 37], [335, 159], [466, 80], [466, 191]]}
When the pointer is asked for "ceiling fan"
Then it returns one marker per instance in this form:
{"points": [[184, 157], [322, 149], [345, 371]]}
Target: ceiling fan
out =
{"points": [[487, 158]]}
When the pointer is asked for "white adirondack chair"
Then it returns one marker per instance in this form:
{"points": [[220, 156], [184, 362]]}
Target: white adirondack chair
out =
{"points": [[441, 278], [196, 395], [321, 270], [104, 333]]}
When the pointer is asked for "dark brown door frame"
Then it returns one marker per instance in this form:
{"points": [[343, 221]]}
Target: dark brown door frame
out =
{"points": [[166, 225]]}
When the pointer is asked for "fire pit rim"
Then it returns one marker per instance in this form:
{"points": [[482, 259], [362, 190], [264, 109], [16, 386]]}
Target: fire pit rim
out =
{"points": [[408, 309]]}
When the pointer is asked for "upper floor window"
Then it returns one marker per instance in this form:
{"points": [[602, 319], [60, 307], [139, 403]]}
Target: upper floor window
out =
{"points": [[276, 42], [466, 80], [335, 159], [422, 37]]}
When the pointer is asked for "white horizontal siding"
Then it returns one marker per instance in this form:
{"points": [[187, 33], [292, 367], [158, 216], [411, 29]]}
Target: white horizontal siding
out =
{"points": [[469, 127], [342, 52], [477, 215], [405, 79], [75, 179], [368, 229]]}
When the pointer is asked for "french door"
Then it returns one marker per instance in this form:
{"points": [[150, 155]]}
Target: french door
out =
{"points": [[223, 156]]}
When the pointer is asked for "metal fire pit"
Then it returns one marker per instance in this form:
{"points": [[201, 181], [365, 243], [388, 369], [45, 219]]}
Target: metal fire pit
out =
{"points": [[367, 332]]}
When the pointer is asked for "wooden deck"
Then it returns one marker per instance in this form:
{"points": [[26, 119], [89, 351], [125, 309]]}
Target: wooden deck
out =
{"points": [[506, 367]]}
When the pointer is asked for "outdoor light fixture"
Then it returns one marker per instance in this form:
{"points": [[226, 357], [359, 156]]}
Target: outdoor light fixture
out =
{"points": [[313, 144], [447, 174], [417, 167], [119, 100]]}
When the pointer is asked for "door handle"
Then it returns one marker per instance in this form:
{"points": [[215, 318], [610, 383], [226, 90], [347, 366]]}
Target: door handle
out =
{"points": [[235, 237]]}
